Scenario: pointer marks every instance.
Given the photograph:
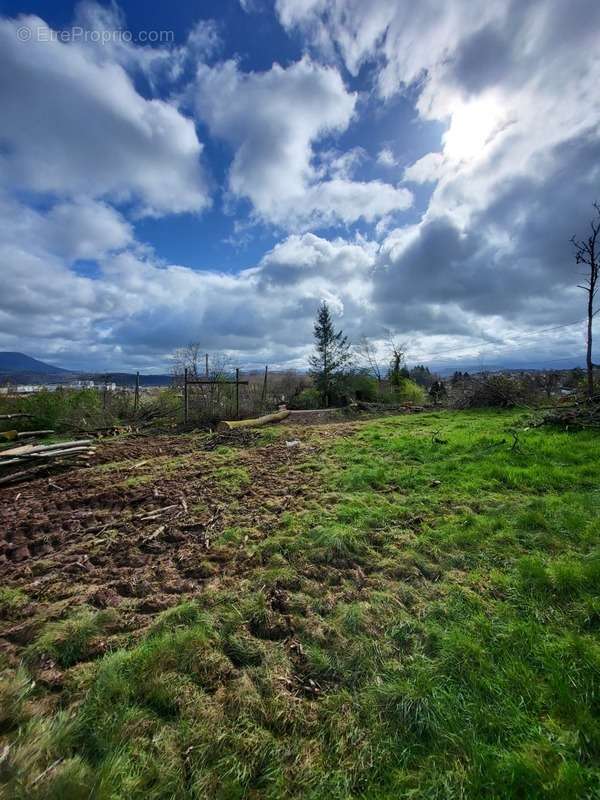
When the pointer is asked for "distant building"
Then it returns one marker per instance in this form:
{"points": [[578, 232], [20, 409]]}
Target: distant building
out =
{"points": [[32, 388]]}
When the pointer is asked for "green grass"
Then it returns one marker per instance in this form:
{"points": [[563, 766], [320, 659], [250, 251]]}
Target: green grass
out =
{"points": [[232, 478], [11, 601], [70, 640], [426, 627]]}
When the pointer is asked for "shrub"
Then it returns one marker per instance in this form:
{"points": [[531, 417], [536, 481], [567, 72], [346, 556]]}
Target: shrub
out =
{"points": [[307, 398], [407, 391], [362, 387]]}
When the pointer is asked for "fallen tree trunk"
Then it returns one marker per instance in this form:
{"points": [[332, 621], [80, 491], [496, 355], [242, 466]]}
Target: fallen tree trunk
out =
{"points": [[14, 416], [252, 423]]}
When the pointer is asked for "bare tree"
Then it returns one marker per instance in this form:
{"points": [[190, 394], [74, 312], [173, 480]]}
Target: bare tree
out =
{"points": [[586, 252], [189, 357], [219, 366], [367, 355], [548, 381]]}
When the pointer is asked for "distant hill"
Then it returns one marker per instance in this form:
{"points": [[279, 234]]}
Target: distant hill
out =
{"points": [[15, 363], [21, 369]]}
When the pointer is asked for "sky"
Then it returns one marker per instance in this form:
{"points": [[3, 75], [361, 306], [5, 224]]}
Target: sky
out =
{"points": [[211, 171]]}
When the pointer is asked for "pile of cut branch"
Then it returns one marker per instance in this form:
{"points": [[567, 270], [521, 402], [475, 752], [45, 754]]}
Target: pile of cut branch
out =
{"points": [[30, 460], [581, 416]]}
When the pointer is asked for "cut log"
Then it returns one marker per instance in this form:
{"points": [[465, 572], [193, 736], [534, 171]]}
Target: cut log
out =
{"points": [[58, 454], [252, 423], [14, 416], [42, 448]]}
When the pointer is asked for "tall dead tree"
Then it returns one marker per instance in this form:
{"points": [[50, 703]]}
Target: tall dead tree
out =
{"points": [[586, 252], [397, 351]]}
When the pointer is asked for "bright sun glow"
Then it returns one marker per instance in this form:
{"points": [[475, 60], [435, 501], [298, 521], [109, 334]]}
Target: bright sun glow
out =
{"points": [[471, 127]]}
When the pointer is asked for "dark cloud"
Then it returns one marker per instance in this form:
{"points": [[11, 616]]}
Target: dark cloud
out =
{"points": [[481, 60]]}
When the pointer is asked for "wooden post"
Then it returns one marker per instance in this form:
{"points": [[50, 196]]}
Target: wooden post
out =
{"points": [[237, 393], [185, 396], [105, 391], [264, 389], [136, 396], [211, 391]]}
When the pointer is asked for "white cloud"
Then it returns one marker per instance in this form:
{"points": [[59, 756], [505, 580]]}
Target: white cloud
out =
{"points": [[512, 82], [68, 230], [386, 158], [273, 119], [158, 62], [85, 230], [426, 169], [518, 166], [74, 126], [134, 310], [421, 281], [404, 37]]}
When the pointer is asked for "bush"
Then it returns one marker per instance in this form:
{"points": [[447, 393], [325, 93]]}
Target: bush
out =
{"points": [[407, 391], [62, 409], [71, 409], [307, 398], [363, 387]]}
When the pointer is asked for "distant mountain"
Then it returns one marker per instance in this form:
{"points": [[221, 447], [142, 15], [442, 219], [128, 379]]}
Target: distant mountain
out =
{"points": [[15, 363], [21, 369]]}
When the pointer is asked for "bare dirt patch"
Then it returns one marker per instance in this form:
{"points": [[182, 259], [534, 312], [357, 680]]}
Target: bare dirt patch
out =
{"points": [[139, 531]]}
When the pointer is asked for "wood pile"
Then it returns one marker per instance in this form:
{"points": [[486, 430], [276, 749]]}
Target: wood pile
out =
{"points": [[577, 417], [29, 460]]}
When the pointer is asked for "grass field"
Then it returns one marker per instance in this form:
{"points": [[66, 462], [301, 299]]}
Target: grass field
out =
{"points": [[423, 624]]}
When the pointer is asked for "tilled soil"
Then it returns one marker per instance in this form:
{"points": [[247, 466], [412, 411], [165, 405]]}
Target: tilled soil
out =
{"points": [[142, 531]]}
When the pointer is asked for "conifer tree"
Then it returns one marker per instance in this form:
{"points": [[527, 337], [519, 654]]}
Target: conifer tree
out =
{"points": [[331, 357]]}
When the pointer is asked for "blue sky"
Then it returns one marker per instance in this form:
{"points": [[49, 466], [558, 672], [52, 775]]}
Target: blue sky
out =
{"points": [[421, 168]]}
